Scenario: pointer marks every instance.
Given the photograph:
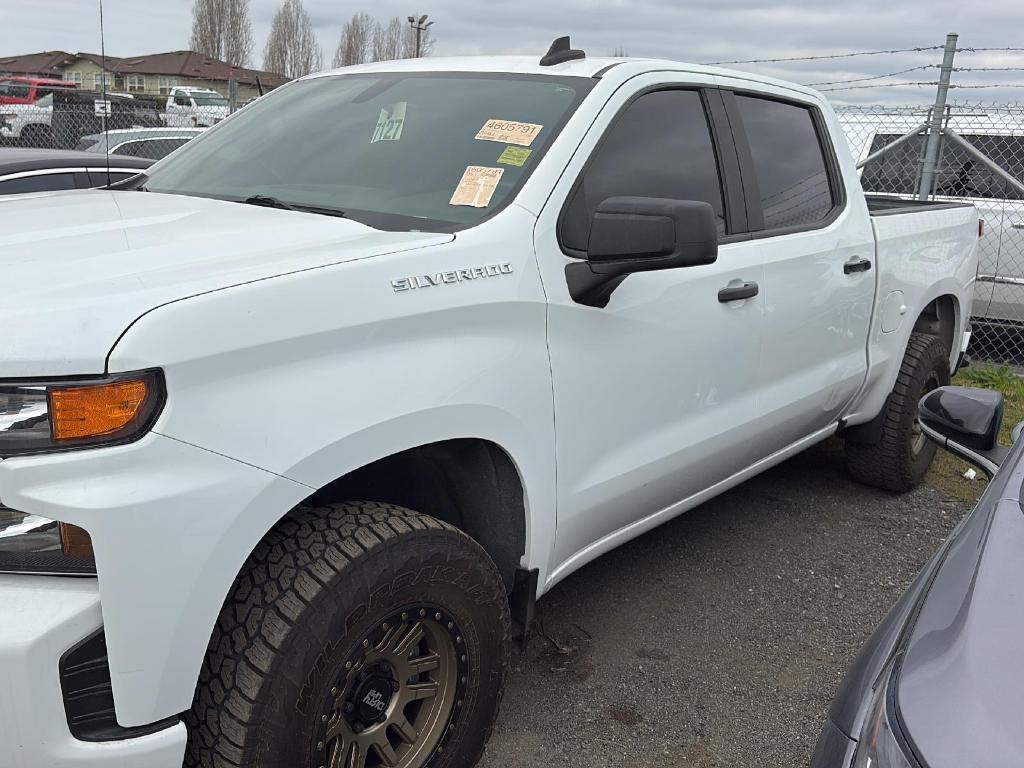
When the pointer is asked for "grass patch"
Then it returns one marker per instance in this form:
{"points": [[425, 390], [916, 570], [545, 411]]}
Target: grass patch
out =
{"points": [[947, 472]]}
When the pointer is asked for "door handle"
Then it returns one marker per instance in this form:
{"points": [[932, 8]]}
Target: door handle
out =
{"points": [[1018, 225], [738, 292], [856, 265]]}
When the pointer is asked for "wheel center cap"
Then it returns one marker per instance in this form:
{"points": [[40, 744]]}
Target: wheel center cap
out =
{"points": [[373, 697]]}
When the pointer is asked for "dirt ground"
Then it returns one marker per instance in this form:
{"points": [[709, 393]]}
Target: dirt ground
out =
{"points": [[718, 639]]}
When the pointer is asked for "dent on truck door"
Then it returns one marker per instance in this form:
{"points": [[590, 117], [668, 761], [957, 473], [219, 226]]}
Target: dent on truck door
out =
{"points": [[819, 265], [653, 391]]}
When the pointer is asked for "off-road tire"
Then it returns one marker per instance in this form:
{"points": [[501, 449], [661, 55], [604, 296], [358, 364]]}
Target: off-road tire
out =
{"points": [[312, 588], [892, 464]]}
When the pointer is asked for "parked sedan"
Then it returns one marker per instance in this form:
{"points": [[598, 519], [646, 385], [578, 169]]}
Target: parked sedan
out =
{"points": [[941, 682], [49, 170], [150, 143]]}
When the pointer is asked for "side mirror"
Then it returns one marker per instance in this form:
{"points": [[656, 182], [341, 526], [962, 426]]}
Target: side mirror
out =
{"points": [[636, 234], [639, 234], [966, 422]]}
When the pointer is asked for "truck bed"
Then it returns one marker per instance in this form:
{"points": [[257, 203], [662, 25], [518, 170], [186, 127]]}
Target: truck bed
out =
{"points": [[879, 205]]}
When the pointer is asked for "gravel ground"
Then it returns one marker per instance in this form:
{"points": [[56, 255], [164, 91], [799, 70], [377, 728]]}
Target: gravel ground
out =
{"points": [[718, 639]]}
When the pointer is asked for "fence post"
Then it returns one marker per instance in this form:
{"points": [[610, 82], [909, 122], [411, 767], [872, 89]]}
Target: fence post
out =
{"points": [[931, 155]]}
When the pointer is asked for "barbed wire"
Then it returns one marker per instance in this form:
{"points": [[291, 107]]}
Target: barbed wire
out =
{"points": [[979, 50], [988, 69], [924, 83], [828, 56], [875, 77]]}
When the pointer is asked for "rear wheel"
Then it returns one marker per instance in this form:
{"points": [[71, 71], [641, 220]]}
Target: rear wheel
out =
{"points": [[359, 635], [901, 457]]}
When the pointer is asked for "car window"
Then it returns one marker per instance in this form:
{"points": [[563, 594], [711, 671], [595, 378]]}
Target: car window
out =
{"points": [[660, 146], [48, 182], [789, 160], [151, 149], [409, 151], [182, 100], [897, 172], [14, 90]]}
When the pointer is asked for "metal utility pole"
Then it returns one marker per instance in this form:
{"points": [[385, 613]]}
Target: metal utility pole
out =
{"points": [[420, 25], [931, 153]]}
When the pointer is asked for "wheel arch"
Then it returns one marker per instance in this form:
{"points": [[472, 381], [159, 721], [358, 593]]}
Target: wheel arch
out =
{"points": [[470, 483]]}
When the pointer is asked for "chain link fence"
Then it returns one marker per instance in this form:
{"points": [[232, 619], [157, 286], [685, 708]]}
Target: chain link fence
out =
{"points": [[981, 161], [133, 126]]}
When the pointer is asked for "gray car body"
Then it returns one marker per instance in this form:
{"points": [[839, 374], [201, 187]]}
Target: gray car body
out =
{"points": [[959, 670]]}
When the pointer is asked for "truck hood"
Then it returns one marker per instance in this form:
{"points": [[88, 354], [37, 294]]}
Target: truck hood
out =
{"points": [[960, 691], [79, 267]]}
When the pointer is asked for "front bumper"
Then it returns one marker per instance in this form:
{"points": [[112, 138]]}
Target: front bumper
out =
{"points": [[43, 616]]}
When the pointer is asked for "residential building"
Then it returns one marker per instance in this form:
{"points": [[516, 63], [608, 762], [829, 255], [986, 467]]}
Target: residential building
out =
{"points": [[152, 74]]}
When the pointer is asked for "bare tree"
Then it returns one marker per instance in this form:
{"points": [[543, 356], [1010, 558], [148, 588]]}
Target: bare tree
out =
{"points": [[390, 40], [356, 42], [292, 48], [222, 29]]}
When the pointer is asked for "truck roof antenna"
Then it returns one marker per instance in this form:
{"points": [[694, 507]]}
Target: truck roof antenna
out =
{"points": [[561, 51], [106, 111]]}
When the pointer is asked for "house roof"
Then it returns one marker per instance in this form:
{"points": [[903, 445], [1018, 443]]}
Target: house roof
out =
{"points": [[172, 63]]}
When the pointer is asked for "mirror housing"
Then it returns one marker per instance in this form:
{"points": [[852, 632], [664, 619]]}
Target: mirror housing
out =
{"points": [[966, 422], [640, 234], [636, 234]]}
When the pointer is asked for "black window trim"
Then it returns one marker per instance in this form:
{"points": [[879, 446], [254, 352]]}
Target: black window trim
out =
{"points": [[725, 159], [755, 212]]}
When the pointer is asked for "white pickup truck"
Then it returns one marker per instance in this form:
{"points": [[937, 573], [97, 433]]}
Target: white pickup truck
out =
{"points": [[296, 427], [194, 108]]}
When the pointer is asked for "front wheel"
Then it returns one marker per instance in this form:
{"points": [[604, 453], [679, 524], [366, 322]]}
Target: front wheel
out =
{"points": [[358, 635], [901, 457]]}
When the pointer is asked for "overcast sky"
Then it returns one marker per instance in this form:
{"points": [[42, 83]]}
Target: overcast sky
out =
{"points": [[698, 31]]}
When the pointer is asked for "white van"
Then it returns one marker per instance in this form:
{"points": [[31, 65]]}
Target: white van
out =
{"points": [[194, 108], [999, 292]]}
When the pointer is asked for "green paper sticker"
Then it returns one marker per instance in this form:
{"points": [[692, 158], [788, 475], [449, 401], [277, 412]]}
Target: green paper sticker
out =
{"points": [[514, 155]]}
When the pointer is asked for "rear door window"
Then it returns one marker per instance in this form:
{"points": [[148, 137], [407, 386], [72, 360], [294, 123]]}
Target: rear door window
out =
{"points": [[789, 162]]}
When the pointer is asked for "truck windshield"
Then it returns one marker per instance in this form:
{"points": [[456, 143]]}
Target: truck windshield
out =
{"points": [[408, 151]]}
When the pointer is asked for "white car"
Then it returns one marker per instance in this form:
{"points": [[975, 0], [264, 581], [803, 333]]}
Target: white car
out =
{"points": [[999, 292], [317, 407], [194, 108], [28, 123]]}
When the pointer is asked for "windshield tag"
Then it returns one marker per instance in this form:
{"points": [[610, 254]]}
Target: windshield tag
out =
{"points": [[509, 132], [476, 187], [389, 124], [514, 155]]}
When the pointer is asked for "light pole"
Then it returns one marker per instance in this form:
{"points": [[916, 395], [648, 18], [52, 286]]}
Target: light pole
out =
{"points": [[420, 25]]}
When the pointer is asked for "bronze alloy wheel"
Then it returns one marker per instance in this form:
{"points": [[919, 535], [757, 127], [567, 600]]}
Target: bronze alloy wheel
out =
{"points": [[397, 695], [918, 439]]}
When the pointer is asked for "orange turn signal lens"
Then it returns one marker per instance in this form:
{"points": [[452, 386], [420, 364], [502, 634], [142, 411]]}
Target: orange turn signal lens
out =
{"points": [[94, 411]]}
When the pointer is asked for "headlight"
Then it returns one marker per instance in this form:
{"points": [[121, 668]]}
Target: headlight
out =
{"points": [[33, 544], [40, 417], [878, 745]]}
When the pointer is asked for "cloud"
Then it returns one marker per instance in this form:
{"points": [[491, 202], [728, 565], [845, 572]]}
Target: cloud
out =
{"points": [[699, 30]]}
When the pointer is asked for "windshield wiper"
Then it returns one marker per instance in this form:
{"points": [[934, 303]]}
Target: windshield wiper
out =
{"points": [[269, 202], [273, 202]]}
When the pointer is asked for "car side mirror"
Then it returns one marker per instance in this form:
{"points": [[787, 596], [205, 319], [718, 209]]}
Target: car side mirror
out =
{"points": [[639, 234], [966, 422]]}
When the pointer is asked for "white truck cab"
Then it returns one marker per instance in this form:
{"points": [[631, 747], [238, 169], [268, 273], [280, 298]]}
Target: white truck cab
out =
{"points": [[194, 107], [295, 427]]}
